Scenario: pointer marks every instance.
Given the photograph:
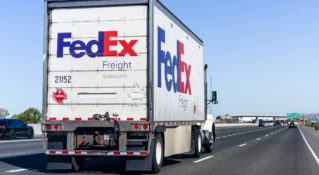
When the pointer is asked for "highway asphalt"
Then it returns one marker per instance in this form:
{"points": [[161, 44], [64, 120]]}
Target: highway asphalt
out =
{"points": [[246, 150]]}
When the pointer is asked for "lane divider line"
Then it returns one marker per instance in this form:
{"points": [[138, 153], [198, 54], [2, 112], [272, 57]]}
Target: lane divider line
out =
{"points": [[311, 150], [258, 139], [15, 154], [25, 140], [266, 135], [244, 144], [205, 158], [16, 170]]}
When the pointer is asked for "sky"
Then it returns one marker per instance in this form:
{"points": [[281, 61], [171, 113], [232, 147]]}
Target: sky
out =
{"points": [[263, 56]]}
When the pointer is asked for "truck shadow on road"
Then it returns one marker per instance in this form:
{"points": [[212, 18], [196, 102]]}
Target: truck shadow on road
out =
{"points": [[37, 163], [33, 162]]}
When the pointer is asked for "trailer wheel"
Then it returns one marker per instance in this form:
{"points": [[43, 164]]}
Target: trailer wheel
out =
{"points": [[158, 154], [77, 163], [197, 141]]}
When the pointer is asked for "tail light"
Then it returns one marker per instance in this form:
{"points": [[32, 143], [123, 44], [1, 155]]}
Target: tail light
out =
{"points": [[145, 127], [56, 127], [140, 127], [47, 127], [136, 127], [2, 127], [52, 127]]}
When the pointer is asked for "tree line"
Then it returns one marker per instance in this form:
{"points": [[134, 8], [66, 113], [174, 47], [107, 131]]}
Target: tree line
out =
{"points": [[30, 115]]}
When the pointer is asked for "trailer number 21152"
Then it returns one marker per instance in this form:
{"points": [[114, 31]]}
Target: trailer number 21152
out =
{"points": [[63, 79]]}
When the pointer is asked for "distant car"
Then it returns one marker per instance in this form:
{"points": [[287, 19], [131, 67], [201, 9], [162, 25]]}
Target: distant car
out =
{"points": [[12, 128], [277, 123], [261, 124], [292, 125]]}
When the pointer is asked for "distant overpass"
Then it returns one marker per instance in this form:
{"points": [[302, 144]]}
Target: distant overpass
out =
{"points": [[257, 116]]}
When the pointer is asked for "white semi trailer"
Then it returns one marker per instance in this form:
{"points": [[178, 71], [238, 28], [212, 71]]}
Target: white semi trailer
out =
{"points": [[122, 78]]}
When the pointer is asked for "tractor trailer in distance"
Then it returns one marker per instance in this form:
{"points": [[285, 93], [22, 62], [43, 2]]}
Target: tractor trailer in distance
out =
{"points": [[122, 78]]}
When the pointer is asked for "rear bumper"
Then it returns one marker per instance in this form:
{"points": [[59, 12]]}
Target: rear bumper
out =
{"points": [[96, 153]]}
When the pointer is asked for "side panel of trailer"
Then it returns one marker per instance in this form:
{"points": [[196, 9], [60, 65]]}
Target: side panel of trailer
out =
{"points": [[178, 71]]}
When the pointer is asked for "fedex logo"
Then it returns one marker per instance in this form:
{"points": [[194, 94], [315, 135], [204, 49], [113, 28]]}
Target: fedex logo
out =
{"points": [[104, 43], [172, 64]]}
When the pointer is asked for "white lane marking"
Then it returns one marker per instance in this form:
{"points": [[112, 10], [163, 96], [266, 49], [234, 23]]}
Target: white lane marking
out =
{"points": [[244, 144], [25, 140], [258, 139], [312, 152], [230, 135], [217, 137], [19, 153], [205, 158], [16, 170], [266, 135], [224, 136]]}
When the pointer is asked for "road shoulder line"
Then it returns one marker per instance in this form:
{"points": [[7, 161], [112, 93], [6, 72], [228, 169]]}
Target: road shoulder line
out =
{"points": [[311, 150]]}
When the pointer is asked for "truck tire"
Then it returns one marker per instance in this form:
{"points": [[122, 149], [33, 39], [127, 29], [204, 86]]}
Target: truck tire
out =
{"points": [[158, 153], [77, 163], [197, 141], [210, 147]]}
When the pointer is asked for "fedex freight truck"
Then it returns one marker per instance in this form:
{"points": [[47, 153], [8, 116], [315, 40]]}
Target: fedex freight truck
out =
{"points": [[122, 78]]}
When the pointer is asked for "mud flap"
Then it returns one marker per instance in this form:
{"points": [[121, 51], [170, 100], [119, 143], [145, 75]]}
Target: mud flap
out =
{"points": [[59, 163], [139, 164]]}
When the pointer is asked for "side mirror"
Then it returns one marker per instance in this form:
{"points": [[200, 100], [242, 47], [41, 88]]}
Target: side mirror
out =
{"points": [[214, 97]]}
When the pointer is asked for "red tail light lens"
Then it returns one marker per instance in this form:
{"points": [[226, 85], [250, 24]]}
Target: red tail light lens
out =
{"points": [[56, 126], [47, 127], [145, 127], [136, 127]]}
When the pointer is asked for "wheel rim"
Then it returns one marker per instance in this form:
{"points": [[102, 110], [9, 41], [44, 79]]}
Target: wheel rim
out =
{"points": [[158, 152], [199, 140]]}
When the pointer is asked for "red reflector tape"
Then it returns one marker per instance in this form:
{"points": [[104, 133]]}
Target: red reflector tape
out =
{"points": [[77, 152], [78, 119], [117, 153], [130, 119], [90, 119], [65, 152], [143, 119], [52, 152], [65, 118], [52, 118], [144, 153], [129, 153]]}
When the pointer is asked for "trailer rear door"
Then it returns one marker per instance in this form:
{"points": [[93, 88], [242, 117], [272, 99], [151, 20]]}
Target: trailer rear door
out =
{"points": [[97, 63]]}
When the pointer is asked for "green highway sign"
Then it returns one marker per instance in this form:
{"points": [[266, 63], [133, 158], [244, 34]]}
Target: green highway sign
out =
{"points": [[293, 115], [313, 119]]}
